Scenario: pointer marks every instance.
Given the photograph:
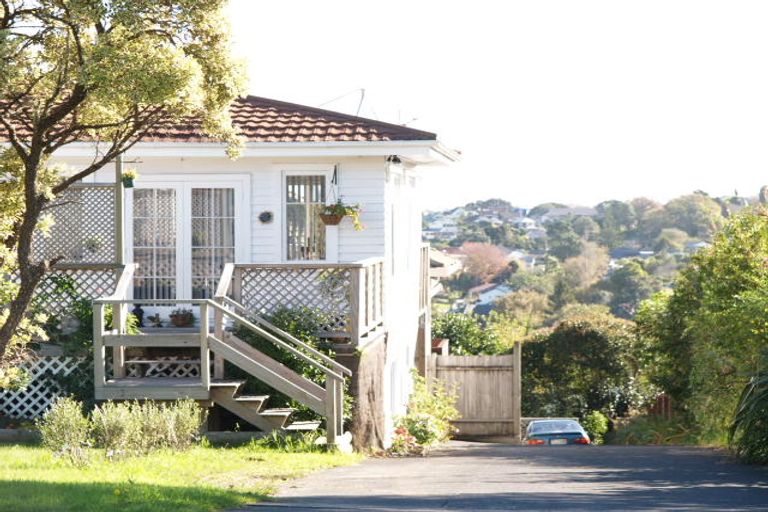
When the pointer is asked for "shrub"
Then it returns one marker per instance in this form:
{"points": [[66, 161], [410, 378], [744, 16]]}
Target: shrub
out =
{"points": [[65, 430], [431, 408], [115, 428], [596, 424], [175, 426], [748, 435], [120, 428], [466, 334], [640, 430]]}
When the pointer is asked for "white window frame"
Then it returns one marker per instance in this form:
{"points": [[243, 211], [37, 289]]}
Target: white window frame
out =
{"points": [[183, 184], [331, 195]]}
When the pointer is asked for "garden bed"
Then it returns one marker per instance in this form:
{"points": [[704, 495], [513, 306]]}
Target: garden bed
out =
{"points": [[200, 479]]}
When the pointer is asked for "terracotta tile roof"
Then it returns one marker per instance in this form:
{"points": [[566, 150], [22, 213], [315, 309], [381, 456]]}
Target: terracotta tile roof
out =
{"points": [[265, 120]]}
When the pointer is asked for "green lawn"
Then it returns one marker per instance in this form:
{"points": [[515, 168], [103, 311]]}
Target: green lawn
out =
{"points": [[201, 479]]}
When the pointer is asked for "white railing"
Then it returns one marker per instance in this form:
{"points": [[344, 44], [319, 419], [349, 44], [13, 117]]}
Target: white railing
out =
{"points": [[351, 295], [224, 310]]}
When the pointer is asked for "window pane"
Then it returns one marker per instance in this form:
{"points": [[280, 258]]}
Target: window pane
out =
{"points": [[213, 237], [305, 232], [154, 243]]}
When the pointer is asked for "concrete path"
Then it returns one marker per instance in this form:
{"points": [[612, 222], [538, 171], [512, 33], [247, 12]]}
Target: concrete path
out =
{"points": [[475, 476]]}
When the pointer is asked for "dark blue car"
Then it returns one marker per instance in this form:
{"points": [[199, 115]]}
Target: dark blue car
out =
{"points": [[555, 432]]}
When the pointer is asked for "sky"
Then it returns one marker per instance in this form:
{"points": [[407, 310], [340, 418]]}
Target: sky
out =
{"points": [[569, 101]]}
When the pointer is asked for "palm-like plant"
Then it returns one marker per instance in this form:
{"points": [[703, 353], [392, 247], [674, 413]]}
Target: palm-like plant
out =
{"points": [[748, 435]]}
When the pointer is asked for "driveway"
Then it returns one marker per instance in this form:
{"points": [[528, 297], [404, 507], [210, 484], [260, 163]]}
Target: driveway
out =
{"points": [[476, 476]]}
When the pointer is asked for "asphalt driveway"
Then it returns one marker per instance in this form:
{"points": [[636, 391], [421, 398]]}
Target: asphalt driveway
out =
{"points": [[475, 476]]}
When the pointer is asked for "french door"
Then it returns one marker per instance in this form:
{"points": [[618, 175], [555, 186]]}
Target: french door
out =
{"points": [[182, 234]]}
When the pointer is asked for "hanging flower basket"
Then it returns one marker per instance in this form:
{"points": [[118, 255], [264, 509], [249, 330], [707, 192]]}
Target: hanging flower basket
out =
{"points": [[331, 219], [332, 214], [128, 177]]}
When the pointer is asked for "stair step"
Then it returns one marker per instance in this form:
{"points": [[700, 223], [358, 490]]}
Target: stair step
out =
{"points": [[302, 426], [277, 417], [252, 398]]}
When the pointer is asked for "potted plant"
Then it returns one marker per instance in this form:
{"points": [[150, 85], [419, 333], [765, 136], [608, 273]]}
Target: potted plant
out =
{"points": [[182, 317], [128, 176], [332, 214]]}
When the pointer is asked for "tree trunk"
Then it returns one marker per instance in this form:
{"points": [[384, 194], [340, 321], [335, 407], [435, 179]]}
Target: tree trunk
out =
{"points": [[30, 273]]}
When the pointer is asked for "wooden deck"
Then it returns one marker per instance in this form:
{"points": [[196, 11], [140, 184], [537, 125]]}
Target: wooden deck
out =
{"points": [[152, 388]]}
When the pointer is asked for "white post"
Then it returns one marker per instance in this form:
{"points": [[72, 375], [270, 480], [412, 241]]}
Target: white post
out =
{"points": [[205, 354], [331, 410], [99, 356]]}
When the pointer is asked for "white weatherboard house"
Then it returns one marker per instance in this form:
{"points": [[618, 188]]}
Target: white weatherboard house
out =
{"points": [[234, 240]]}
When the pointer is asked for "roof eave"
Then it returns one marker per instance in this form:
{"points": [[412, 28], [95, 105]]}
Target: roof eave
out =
{"points": [[425, 152]]}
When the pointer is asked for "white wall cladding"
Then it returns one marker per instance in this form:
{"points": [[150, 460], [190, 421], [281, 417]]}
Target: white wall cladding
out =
{"points": [[360, 180]]}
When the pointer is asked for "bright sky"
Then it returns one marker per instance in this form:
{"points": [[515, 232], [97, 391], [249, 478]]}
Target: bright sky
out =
{"points": [[568, 101]]}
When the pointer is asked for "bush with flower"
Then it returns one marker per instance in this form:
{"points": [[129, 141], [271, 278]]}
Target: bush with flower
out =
{"points": [[431, 408]]}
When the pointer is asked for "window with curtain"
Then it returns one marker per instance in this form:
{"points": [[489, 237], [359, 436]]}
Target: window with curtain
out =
{"points": [[305, 232], [213, 237], [154, 243]]}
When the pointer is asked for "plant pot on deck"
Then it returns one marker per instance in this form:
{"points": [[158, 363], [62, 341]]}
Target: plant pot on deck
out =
{"points": [[182, 319], [331, 219]]}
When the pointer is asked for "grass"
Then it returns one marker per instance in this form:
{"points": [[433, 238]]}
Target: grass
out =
{"points": [[201, 479]]}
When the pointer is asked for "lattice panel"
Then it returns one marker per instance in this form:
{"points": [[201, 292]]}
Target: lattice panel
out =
{"points": [[162, 367], [84, 229], [88, 283], [36, 398], [265, 290]]}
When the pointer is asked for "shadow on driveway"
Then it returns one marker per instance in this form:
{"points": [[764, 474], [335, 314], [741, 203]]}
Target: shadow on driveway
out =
{"points": [[475, 476]]}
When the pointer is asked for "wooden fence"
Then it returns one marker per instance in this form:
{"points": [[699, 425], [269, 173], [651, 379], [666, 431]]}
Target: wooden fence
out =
{"points": [[488, 392]]}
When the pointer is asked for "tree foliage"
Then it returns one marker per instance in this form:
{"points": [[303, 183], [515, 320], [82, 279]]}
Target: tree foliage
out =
{"points": [[98, 70], [711, 331], [588, 361]]}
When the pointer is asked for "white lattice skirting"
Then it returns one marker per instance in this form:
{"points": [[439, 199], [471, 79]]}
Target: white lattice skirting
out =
{"points": [[32, 401]]}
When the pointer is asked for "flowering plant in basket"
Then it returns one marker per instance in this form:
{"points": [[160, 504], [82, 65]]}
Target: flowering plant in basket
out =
{"points": [[332, 214]]}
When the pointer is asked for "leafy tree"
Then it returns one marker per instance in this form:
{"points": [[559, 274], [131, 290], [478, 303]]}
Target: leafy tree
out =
{"points": [[587, 268], [616, 218], [483, 261], [588, 361], [103, 70], [710, 333], [563, 241], [586, 227], [466, 334], [629, 285], [696, 214], [670, 240], [543, 208], [528, 307]]}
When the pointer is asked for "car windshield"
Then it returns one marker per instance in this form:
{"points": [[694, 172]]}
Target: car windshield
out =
{"points": [[543, 427]]}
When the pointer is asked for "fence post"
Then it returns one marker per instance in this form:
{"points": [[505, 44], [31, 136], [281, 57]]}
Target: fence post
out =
{"points": [[205, 354], [517, 392]]}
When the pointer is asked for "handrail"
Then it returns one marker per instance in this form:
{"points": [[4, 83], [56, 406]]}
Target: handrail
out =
{"points": [[224, 281], [303, 264], [275, 340], [121, 288], [264, 323], [215, 305]]}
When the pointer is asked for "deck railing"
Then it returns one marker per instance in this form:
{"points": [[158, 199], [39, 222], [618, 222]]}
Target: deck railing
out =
{"points": [[351, 295]]}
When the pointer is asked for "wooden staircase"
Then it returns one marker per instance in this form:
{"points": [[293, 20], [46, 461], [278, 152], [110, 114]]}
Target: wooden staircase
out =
{"points": [[224, 345]]}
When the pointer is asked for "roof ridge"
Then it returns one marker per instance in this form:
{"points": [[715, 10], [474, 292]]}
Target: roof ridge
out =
{"points": [[431, 135]]}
